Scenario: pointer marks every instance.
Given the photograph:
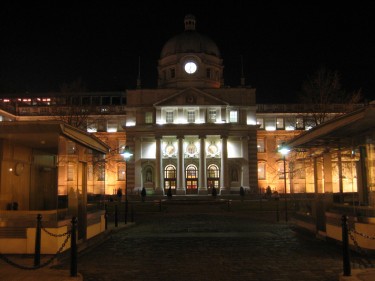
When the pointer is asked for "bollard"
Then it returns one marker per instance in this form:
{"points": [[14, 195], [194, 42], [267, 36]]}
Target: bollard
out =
{"points": [[38, 240], [73, 248], [116, 216], [345, 246], [229, 202]]}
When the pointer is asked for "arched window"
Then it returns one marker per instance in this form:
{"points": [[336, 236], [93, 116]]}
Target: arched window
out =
{"points": [[191, 172], [170, 172], [213, 171]]}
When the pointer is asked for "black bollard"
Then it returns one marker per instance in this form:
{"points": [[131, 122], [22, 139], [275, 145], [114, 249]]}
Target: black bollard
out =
{"points": [[73, 248], [116, 216], [345, 247], [38, 238]]}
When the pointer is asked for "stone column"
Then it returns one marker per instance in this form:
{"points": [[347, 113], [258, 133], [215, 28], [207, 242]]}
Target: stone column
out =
{"points": [[224, 166], [180, 188], [158, 168], [202, 189]]}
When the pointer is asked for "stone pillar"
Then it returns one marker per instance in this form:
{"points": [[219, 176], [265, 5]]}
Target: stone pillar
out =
{"points": [[137, 165], [224, 166], [245, 167], [158, 168], [180, 188], [202, 189]]}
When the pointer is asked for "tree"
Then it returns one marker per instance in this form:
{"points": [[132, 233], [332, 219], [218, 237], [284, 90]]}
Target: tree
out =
{"points": [[321, 91], [73, 113]]}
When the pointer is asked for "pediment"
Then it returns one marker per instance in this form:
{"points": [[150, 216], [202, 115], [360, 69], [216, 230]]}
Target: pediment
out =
{"points": [[191, 97]]}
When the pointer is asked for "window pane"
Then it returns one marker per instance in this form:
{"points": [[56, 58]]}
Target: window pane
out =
{"points": [[262, 170], [260, 145], [191, 116], [233, 116], [169, 117]]}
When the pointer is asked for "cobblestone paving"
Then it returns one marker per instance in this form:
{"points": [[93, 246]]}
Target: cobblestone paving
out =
{"points": [[195, 244]]}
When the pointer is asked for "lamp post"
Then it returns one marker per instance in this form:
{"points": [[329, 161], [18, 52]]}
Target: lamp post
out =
{"points": [[284, 150], [126, 154]]}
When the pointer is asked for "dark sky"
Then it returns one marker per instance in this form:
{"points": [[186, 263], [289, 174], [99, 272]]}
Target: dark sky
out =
{"points": [[282, 43]]}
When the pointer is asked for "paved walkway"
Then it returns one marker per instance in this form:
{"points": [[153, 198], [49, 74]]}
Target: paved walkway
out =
{"points": [[206, 242]]}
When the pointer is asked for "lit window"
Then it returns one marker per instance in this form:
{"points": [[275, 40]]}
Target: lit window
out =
{"points": [[71, 147], [260, 145], [191, 116], [121, 172], [90, 172], [70, 176], [233, 116], [280, 123], [148, 118], [260, 122], [299, 123], [212, 115], [169, 117], [261, 170], [101, 172]]}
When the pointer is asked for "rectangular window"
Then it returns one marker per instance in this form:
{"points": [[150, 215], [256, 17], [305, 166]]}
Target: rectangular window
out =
{"points": [[90, 172], [261, 170], [169, 117], [191, 116], [299, 123], [260, 122], [280, 123], [148, 118], [101, 172], [121, 172], [121, 146], [279, 143], [233, 116], [212, 116], [280, 169], [70, 176], [71, 147], [260, 145], [290, 123]]}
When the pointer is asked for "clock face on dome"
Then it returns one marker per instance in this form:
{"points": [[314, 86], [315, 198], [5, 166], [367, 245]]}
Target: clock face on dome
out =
{"points": [[190, 67]]}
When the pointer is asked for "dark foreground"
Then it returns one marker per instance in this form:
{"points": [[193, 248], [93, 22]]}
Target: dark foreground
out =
{"points": [[209, 242]]}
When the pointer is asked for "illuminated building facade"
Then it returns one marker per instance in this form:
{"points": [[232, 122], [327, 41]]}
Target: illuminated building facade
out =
{"points": [[190, 134]]}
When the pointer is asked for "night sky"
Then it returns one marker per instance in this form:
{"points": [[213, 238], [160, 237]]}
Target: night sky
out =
{"points": [[47, 43]]}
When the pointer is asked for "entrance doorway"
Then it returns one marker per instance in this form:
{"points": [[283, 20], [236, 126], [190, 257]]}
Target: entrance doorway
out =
{"points": [[170, 179], [213, 178], [191, 179]]}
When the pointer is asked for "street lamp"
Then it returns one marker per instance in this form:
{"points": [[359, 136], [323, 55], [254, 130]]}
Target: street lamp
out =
{"points": [[126, 154], [284, 150]]}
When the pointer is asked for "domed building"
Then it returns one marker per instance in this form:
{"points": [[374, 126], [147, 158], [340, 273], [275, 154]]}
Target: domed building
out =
{"points": [[191, 134]]}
